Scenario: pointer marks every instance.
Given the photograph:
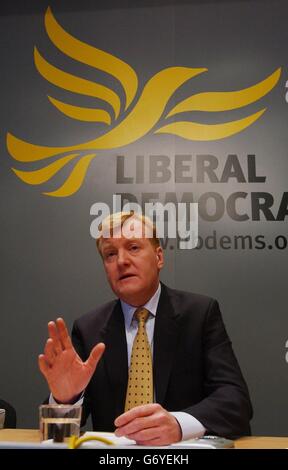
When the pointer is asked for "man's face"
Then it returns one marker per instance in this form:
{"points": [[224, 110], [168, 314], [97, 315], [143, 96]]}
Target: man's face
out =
{"points": [[132, 266]]}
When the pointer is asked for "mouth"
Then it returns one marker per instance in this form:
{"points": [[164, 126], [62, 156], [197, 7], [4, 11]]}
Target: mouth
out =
{"points": [[126, 276]]}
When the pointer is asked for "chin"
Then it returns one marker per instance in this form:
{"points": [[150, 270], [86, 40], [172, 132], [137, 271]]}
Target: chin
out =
{"points": [[129, 290], [130, 294]]}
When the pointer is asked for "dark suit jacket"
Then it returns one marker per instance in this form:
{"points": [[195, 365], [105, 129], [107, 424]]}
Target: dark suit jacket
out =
{"points": [[195, 369]]}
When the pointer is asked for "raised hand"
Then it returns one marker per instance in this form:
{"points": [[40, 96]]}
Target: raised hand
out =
{"points": [[67, 375]]}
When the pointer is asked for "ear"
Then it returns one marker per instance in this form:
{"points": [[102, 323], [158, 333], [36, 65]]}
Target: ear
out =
{"points": [[159, 257]]}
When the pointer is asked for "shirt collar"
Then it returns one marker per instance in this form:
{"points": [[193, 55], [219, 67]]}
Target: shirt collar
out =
{"points": [[151, 305]]}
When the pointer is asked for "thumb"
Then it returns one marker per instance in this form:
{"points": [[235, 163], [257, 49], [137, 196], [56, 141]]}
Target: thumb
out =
{"points": [[95, 356]]}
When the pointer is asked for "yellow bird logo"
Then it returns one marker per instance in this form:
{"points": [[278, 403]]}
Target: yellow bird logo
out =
{"points": [[127, 121]]}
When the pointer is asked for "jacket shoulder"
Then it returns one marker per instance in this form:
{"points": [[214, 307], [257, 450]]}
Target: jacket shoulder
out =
{"points": [[190, 298], [96, 318]]}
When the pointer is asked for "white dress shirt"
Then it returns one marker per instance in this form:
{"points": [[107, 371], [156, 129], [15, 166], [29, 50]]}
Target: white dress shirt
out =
{"points": [[190, 426]]}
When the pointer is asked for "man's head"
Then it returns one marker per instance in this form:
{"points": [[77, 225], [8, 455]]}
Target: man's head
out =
{"points": [[132, 256]]}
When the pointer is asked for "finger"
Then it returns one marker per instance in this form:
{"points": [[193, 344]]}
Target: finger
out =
{"points": [[53, 333], [137, 412], [144, 434], [43, 366], [137, 424], [63, 334], [52, 329], [95, 356], [49, 351]]}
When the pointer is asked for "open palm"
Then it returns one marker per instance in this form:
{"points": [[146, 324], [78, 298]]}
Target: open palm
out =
{"points": [[67, 375]]}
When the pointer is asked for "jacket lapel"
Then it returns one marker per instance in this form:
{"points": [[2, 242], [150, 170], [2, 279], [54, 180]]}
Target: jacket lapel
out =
{"points": [[166, 335], [115, 356]]}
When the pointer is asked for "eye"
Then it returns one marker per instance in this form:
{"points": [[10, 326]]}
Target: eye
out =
{"points": [[134, 247], [109, 255]]}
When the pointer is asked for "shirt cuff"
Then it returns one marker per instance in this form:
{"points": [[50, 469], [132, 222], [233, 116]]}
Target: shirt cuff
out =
{"points": [[52, 401], [190, 426]]}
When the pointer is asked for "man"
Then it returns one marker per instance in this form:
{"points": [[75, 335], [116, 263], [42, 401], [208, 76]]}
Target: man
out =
{"points": [[197, 385]]}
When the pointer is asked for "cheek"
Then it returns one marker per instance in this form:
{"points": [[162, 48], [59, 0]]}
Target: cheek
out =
{"points": [[110, 273]]}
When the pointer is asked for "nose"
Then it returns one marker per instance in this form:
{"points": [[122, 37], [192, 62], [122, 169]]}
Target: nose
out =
{"points": [[123, 258]]}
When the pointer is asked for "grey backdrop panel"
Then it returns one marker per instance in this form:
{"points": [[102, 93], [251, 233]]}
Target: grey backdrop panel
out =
{"points": [[49, 265]]}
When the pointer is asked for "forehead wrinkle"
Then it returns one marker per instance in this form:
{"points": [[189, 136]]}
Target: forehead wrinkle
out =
{"points": [[113, 241]]}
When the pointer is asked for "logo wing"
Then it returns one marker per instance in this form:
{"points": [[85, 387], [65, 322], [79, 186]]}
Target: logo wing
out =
{"points": [[93, 57], [215, 102], [74, 48]]}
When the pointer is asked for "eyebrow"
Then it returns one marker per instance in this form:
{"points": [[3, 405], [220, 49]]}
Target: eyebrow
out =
{"points": [[107, 247]]}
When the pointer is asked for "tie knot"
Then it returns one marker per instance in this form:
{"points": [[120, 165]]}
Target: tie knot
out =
{"points": [[141, 314]]}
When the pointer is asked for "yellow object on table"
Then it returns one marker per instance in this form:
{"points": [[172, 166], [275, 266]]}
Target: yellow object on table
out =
{"points": [[75, 442]]}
